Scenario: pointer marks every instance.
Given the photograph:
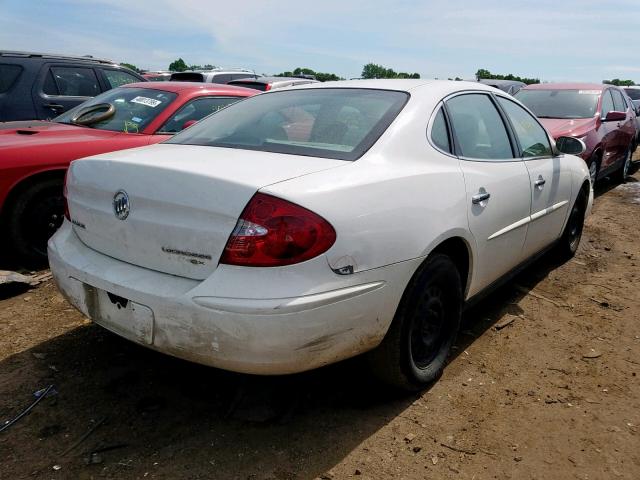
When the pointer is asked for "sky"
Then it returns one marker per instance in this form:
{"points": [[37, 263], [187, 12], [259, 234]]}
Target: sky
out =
{"points": [[554, 40]]}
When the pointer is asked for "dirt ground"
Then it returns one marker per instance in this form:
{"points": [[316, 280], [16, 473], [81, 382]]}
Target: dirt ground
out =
{"points": [[554, 394]]}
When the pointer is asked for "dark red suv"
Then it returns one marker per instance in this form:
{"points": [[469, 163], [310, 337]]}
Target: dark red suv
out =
{"points": [[599, 115]]}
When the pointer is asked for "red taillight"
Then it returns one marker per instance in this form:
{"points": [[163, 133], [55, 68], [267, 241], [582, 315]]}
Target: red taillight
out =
{"points": [[272, 232], [268, 87], [67, 215]]}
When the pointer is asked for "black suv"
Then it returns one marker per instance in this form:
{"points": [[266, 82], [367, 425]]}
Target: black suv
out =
{"points": [[42, 86]]}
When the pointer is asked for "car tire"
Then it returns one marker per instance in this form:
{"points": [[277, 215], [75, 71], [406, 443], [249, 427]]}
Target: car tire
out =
{"points": [[415, 349], [570, 240], [33, 215], [623, 172]]}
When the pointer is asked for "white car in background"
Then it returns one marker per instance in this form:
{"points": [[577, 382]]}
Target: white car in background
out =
{"points": [[304, 226]]}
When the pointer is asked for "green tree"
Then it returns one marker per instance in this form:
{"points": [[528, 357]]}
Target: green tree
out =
{"points": [[320, 76], [373, 70], [486, 74], [178, 65], [131, 66], [208, 66], [620, 83]]}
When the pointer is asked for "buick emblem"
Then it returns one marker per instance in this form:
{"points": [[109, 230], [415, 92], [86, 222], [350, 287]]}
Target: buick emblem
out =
{"points": [[121, 205]]}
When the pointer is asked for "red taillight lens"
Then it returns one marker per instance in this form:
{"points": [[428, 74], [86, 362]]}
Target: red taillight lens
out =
{"points": [[272, 232], [67, 215], [268, 87]]}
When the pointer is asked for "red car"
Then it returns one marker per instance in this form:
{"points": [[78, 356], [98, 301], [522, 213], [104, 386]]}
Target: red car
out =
{"points": [[599, 115], [34, 155]]}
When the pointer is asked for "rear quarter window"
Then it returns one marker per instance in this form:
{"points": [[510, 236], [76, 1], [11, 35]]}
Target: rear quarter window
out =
{"points": [[8, 76]]}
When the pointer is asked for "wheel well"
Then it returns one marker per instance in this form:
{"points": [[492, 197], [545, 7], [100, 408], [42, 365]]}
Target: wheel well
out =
{"points": [[458, 250], [25, 183]]}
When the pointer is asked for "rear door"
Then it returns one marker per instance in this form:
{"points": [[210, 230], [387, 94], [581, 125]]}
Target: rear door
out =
{"points": [[550, 179], [608, 132], [61, 87], [626, 129], [497, 184]]}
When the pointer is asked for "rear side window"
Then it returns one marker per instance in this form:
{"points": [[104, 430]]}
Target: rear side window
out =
{"points": [[196, 110], [72, 82], [440, 132], [478, 127], [634, 93], [8, 76], [532, 137], [337, 123], [618, 102], [187, 77], [222, 78], [116, 78], [255, 85]]}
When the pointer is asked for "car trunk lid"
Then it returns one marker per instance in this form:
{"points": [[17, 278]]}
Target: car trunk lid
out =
{"points": [[184, 201]]}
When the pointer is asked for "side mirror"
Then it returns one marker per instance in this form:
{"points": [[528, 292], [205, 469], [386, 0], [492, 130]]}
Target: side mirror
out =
{"points": [[571, 145], [188, 123], [614, 116]]}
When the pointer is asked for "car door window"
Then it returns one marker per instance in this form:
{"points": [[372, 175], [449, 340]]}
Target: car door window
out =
{"points": [[440, 133], [116, 78], [478, 128], [195, 110], [222, 78], [618, 102], [72, 82], [532, 137], [607, 103]]}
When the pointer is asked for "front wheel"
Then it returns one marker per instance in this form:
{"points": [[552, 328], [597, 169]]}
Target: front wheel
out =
{"points": [[572, 234], [622, 173], [415, 349], [33, 216]]}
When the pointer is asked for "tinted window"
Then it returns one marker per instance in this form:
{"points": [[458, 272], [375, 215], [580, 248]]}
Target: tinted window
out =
{"points": [[439, 132], [238, 76], [73, 82], [187, 77], [248, 84], [634, 93], [8, 75], [560, 103], [607, 103], [329, 122], [196, 110], [532, 137], [478, 127], [222, 78], [135, 108], [618, 102], [116, 78]]}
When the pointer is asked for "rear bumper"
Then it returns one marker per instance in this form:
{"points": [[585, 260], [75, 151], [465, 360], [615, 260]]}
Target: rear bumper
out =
{"points": [[254, 330]]}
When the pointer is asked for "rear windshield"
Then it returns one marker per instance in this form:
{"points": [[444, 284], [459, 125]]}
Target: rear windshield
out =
{"points": [[187, 77], [8, 75], [560, 103], [634, 93], [135, 108], [338, 123]]}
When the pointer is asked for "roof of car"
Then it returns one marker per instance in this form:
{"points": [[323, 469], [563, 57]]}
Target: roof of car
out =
{"points": [[275, 79], [491, 81], [179, 87], [85, 58], [565, 86], [442, 86]]}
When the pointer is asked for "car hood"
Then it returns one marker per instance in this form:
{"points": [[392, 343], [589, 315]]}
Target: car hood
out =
{"points": [[38, 133], [574, 127]]}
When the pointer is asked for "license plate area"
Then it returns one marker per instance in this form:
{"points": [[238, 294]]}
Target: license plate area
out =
{"points": [[120, 315]]}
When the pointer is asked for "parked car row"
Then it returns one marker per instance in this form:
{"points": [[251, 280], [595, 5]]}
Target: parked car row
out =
{"points": [[308, 224]]}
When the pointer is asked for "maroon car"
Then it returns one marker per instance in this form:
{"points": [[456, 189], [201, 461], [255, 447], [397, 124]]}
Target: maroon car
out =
{"points": [[599, 115]]}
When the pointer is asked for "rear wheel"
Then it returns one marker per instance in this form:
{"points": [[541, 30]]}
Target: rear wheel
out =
{"points": [[416, 347], [572, 234], [33, 216]]}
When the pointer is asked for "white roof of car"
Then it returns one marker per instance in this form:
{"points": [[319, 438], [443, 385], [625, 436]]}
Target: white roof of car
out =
{"points": [[441, 86]]}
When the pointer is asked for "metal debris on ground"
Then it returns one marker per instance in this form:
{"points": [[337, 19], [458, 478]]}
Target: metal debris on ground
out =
{"points": [[85, 436], [44, 393]]}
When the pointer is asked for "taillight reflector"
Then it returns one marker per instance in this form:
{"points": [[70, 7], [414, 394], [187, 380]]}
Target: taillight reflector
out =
{"points": [[272, 232]]}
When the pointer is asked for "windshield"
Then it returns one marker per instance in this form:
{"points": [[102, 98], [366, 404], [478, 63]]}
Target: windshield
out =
{"points": [[338, 123], [560, 103], [135, 108]]}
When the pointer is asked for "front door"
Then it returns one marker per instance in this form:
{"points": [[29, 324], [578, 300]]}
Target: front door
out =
{"points": [[497, 185]]}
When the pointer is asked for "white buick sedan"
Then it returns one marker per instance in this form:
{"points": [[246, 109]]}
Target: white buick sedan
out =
{"points": [[301, 227]]}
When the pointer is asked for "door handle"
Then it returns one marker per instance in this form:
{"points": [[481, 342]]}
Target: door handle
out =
{"points": [[54, 106], [480, 197], [540, 182]]}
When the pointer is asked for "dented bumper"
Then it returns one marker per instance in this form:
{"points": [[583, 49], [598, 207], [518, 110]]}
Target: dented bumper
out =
{"points": [[259, 321]]}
